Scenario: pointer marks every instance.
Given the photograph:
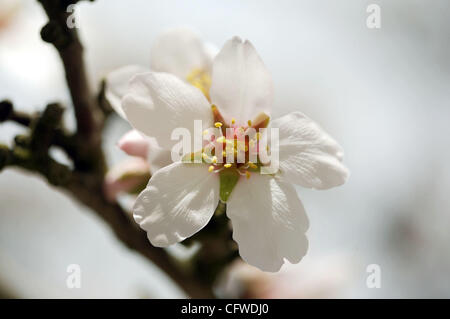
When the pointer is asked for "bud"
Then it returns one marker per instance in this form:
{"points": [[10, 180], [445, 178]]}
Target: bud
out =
{"points": [[134, 144], [130, 176]]}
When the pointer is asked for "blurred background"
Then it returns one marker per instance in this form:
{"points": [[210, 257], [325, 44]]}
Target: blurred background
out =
{"points": [[382, 93]]}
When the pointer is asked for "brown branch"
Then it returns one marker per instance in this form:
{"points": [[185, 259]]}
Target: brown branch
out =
{"points": [[85, 181], [69, 47], [7, 113], [135, 238], [81, 187]]}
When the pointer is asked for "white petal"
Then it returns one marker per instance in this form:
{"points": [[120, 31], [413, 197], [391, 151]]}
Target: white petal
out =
{"points": [[241, 85], [179, 200], [180, 51], [157, 103], [211, 50], [158, 157], [308, 155], [269, 222], [117, 85]]}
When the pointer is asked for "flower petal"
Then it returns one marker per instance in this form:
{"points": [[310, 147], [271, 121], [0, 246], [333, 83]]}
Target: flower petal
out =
{"points": [[179, 200], [157, 103], [158, 157], [269, 222], [117, 85], [241, 85], [179, 51], [308, 155]]}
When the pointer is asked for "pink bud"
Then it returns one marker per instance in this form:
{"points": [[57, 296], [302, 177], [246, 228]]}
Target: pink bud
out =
{"points": [[129, 176], [134, 144]]}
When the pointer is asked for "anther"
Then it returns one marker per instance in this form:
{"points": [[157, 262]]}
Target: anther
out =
{"points": [[252, 165]]}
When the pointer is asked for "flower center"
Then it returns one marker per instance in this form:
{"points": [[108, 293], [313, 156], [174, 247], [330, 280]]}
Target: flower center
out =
{"points": [[237, 150], [234, 152]]}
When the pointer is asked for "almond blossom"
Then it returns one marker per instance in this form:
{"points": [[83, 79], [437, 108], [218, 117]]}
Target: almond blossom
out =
{"points": [[268, 219], [179, 51]]}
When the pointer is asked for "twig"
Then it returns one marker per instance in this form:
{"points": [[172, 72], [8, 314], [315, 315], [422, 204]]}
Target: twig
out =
{"points": [[82, 186], [85, 181], [69, 47]]}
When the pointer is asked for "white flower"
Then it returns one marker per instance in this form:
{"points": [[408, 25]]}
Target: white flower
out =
{"points": [[179, 51], [268, 218]]}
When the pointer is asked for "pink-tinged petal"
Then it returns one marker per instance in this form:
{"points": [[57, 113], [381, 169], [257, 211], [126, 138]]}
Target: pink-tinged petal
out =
{"points": [[134, 144], [241, 85], [269, 222], [127, 176], [179, 200], [308, 156]]}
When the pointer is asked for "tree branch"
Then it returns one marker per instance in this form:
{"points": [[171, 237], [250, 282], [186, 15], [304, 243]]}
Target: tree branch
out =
{"points": [[82, 186], [69, 47], [85, 181]]}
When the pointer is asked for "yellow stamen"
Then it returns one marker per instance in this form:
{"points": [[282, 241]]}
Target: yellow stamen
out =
{"points": [[214, 159], [228, 165], [221, 139], [201, 80], [233, 120], [247, 174], [252, 165], [218, 124], [249, 122], [211, 168]]}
